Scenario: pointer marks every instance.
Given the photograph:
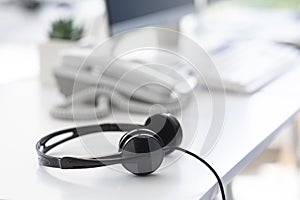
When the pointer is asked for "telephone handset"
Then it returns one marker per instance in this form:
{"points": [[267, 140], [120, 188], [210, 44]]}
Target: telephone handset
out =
{"points": [[127, 85]]}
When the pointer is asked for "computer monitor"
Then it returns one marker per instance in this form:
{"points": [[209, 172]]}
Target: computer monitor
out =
{"points": [[124, 15]]}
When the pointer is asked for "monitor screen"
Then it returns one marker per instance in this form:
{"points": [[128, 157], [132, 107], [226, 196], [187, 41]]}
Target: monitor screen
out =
{"points": [[128, 14]]}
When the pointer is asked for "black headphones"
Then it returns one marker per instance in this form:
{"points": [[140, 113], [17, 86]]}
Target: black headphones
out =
{"points": [[141, 149]]}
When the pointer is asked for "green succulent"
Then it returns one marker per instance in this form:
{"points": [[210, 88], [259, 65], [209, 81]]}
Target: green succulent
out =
{"points": [[66, 30]]}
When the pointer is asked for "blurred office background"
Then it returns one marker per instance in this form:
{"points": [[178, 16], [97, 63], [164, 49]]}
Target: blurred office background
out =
{"points": [[25, 24]]}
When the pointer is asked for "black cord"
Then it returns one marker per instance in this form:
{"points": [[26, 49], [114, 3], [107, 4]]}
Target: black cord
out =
{"points": [[206, 164]]}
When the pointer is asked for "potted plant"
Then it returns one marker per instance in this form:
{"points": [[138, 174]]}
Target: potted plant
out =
{"points": [[64, 34]]}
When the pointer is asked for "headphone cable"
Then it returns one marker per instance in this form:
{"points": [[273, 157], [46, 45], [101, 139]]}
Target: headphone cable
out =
{"points": [[206, 164]]}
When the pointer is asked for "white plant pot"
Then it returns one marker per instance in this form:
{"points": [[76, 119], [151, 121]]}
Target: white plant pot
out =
{"points": [[49, 58]]}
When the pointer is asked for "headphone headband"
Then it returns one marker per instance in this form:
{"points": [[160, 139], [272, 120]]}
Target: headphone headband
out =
{"points": [[71, 163]]}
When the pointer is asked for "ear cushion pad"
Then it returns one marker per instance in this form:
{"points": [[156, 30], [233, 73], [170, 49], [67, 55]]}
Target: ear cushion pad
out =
{"points": [[167, 127], [142, 151]]}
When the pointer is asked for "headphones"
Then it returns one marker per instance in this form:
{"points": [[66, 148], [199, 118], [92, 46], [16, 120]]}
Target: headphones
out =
{"points": [[141, 149]]}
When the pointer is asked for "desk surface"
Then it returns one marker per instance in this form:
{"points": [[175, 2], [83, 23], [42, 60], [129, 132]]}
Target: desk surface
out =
{"points": [[251, 123]]}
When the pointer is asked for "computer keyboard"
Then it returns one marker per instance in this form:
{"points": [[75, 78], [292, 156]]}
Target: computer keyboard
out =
{"points": [[247, 66], [244, 66]]}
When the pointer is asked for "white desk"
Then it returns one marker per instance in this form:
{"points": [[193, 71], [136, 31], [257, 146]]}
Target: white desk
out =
{"points": [[251, 124]]}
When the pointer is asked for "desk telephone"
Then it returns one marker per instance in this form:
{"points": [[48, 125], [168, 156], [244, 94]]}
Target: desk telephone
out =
{"points": [[92, 87]]}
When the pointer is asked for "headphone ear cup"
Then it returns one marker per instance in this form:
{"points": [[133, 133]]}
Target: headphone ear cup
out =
{"points": [[142, 151], [167, 127]]}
